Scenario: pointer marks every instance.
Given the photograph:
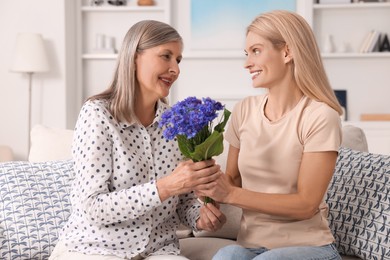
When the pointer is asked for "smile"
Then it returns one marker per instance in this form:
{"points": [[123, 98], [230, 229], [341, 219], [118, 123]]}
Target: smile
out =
{"points": [[255, 74], [166, 81]]}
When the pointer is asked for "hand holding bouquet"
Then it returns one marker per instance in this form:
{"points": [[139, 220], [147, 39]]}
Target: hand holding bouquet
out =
{"points": [[191, 122]]}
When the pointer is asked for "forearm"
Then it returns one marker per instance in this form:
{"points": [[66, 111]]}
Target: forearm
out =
{"points": [[113, 207], [295, 205]]}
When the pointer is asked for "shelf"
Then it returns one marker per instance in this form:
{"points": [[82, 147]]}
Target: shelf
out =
{"points": [[99, 56], [239, 55], [186, 55], [154, 8], [356, 55], [351, 6]]}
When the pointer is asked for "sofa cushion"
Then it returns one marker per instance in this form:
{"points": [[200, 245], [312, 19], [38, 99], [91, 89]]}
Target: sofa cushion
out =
{"points": [[202, 248], [359, 204], [34, 203], [50, 144]]}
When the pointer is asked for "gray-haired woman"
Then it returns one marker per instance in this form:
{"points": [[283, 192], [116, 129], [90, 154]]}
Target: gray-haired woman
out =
{"points": [[132, 189]]}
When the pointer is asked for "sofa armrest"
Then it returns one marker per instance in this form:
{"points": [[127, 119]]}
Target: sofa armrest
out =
{"points": [[6, 153]]}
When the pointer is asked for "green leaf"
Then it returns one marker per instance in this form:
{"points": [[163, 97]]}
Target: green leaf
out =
{"points": [[221, 126], [212, 146], [184, 145]]}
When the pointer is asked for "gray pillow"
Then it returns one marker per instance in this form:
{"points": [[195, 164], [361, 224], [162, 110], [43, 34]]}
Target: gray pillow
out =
{"points": [[359, 204], [34, 204]]}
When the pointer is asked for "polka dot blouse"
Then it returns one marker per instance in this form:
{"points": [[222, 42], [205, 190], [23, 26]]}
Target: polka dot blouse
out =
{"points": [[116, 209]]}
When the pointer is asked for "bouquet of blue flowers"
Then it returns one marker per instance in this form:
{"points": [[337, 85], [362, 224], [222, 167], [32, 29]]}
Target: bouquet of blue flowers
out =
{"points": [[191, 122]]}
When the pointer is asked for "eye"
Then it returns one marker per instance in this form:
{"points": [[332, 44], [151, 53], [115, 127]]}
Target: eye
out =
{"points": [[178, 60], [256, 51], [166, 56]]}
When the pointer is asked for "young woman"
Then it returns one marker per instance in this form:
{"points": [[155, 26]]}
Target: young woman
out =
{"points": [[283, 146], [132, 188]]}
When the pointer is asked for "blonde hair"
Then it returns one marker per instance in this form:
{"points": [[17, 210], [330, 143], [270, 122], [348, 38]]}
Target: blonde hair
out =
{"points": [[287, 28], [121, 92]]}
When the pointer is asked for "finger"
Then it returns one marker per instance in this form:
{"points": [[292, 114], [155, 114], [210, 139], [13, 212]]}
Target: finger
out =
{"points": [[209, 174], [216, 220], [207, 224], [216, 212], [204, 164]]}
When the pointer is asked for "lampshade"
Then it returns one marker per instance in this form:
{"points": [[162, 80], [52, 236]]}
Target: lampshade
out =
{"points": [[30, 54]]}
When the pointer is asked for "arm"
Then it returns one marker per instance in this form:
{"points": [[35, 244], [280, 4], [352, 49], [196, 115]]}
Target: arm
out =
{"points": [[314, 176], [102, 189]]}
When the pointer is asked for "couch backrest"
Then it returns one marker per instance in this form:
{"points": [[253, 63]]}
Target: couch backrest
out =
{"points": [[354, 138], [50, 144]]}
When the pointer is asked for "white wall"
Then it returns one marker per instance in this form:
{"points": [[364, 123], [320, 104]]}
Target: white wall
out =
{"points": [[55, 94], [49, 92]]}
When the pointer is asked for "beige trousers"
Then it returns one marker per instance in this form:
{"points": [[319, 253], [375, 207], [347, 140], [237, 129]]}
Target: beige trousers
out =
{"points": [[60, 252]]}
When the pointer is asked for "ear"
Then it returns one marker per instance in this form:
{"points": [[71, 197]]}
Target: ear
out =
{"points": [[287, 54]]}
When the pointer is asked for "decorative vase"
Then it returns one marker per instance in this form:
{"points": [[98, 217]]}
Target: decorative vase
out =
{"points": [[329, 44]]}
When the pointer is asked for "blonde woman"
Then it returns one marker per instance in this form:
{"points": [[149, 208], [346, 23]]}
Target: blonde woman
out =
{"points": [[283, 146], [131, 187]]}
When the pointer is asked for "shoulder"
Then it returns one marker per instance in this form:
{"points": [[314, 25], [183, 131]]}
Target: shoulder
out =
{"points": [[321, 127], [94, 111], [316, 110], [319, 117], [96, 105]]}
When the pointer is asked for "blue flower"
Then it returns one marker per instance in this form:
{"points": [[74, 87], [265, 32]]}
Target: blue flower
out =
{"points": [[190, 121], [189, 117]]}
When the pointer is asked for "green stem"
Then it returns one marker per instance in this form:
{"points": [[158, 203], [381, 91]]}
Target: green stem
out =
{"points": [[208, 200]]}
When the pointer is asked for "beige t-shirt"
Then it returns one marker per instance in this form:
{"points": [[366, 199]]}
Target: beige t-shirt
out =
{"points": [[269, 161]]}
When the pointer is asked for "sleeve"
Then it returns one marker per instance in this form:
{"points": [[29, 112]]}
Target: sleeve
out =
{"points": [[188, 210], [92, 146], [322, 130], [232, 132]]}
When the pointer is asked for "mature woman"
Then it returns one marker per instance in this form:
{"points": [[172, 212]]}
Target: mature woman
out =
{"points": [[132, 188]]}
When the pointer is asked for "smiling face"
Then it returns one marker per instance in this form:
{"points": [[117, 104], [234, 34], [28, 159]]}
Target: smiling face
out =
{"points": [[157, 68], [266, 64]]}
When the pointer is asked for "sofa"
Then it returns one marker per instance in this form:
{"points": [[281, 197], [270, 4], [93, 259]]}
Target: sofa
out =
{"points": [[34, 201]]}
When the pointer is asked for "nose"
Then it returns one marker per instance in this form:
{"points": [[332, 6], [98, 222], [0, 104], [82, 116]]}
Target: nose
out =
{"points": [[248, 64], [174, 68]]}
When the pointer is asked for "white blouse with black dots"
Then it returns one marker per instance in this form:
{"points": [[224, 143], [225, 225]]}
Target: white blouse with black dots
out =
{"points": [[116, 209]]}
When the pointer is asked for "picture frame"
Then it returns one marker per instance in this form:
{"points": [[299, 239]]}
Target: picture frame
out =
{"points": [[216, 29]]}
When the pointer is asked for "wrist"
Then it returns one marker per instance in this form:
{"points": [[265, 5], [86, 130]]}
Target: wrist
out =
{"points": [[163, 190], [232, 195]]}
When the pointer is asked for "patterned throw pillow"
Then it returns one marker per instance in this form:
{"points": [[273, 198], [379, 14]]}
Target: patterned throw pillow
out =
{"points": [[359, 202], [34, 203]]}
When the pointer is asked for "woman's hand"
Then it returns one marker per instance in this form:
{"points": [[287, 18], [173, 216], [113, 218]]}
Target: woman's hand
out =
{"points": [[211, 218], [188, 176], [219, 190]]}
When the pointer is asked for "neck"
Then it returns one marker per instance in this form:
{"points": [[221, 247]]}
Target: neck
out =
{"points": [[278, 104], [145, 111]]}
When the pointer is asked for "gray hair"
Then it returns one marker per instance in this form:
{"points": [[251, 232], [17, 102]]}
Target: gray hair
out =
{"points": [[141, 36]]}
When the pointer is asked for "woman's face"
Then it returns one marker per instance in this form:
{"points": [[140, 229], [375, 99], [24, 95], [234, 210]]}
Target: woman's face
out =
{"points": [[157, 68], [267, 65]]}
